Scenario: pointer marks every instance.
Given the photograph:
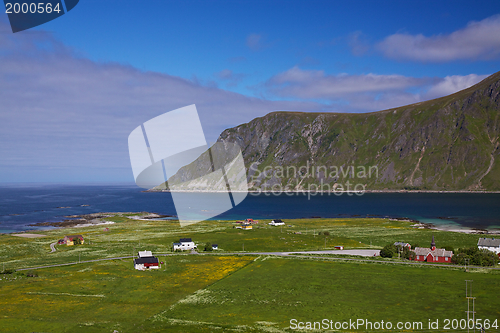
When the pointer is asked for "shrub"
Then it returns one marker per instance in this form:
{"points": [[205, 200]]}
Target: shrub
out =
{"points": [[476, 257], [208, 247], [326, 233], [8, 271], [449, 248], [389, 251], [31, 274]]}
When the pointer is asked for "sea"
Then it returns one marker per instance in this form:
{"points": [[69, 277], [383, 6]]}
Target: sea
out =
{"points": [[27, 204]]}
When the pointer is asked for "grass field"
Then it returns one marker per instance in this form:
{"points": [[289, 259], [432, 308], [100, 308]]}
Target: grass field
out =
{"points": [[102, 297], [270, 292], [127, 236], [236, 294], [193, 293]]}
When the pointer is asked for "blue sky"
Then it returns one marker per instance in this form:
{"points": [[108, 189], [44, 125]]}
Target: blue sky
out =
{"points": [[74, 88]]}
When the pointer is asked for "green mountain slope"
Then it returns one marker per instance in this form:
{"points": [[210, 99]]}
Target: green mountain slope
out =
{"points": [[449, 143]]}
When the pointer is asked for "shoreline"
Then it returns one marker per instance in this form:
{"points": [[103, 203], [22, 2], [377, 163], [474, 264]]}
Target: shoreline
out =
{"points": [[95, 219], [329, 192]]}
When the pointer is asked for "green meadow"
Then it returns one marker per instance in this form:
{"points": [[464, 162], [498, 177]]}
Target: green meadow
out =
{"points": [[126, 236], [236, 292]]}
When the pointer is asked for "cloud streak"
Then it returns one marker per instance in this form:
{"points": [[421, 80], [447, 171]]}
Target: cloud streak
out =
{"points": [[367, 92], [477, 41], [61, 110]]}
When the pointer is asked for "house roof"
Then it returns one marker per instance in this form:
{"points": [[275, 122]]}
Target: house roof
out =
{"points": [[177, 244], [277, 220], [146, 260], [214, 245], [424, 251], [402, 244], [144, 254], [490, 242], [185, 240]]}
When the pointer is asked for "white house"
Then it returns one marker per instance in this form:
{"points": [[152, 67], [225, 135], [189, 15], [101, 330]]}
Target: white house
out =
{"points": [[276, 222], [146, 260], [492, 244], [185, 244], [215, 247]]}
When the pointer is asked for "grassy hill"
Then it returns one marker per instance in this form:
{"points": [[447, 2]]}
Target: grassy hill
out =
{"points": [[449, 143]]}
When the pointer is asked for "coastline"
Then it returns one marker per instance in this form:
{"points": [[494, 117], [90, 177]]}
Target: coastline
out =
{"points": [[96, 219], [330, 192]]}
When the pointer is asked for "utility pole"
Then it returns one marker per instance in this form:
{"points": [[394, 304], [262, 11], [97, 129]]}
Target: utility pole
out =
{"points": [[466, 263], [468, 296], [78, 257], [243, 247]]}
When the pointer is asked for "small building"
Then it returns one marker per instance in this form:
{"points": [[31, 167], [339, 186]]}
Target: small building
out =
{"points": [[338, 247], [69, 240], [215, 247], [432, 254], [403, 244], [277, 222], [144, 254], [246, 226], [146, 260], [184, 244], [490, 244]]}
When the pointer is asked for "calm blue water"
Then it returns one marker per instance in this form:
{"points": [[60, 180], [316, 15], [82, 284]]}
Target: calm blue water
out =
{"points": [[21, 206]]}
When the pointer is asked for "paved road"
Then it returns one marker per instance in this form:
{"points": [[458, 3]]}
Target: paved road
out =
{"points": [[52, 247]]}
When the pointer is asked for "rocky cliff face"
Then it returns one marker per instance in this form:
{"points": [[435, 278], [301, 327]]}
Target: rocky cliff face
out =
{"points": [[450, 143]]}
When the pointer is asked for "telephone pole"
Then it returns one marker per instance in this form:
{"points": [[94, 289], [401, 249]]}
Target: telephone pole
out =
{"points": [[468, 296]]}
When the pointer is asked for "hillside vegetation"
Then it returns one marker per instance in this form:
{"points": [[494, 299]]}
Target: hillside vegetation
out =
{"points": [[449, 143]]}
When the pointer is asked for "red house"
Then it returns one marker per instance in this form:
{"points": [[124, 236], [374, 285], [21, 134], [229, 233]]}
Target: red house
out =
{"points": [[432, 254]]}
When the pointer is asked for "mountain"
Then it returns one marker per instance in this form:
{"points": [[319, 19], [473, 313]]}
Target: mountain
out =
{"points": [[449, 143]]}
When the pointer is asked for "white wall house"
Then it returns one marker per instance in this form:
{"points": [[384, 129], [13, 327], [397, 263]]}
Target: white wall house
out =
{"points": [[492, 244], [276, 222], [185, 244], [146, 260]]}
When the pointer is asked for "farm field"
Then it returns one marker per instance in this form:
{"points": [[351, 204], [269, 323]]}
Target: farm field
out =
{"points": [[267, 294], [236, 294], [127, 236], [105, 296]]}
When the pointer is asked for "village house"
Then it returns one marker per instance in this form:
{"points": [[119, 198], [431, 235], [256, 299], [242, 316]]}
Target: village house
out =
{"points": [[184, 244], [246, 226], [69, 240], [490, 244], [145, 260], [403, 244], [432, 254], [215, 247], [277, 222]]}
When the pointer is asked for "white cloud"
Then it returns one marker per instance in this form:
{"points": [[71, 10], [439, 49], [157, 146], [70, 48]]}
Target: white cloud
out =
{"points": [[478, 40], [452, 84], [60, 110], [315, 84], [367, 92]]}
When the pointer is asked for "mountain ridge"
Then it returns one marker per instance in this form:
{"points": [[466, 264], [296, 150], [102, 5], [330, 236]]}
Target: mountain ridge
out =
{"points": [[449, 143]]}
